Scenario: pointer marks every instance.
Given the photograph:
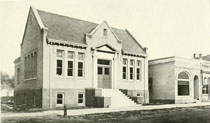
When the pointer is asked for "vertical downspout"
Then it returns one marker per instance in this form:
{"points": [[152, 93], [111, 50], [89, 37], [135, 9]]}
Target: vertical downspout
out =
{"points": [[145, 70], [50, 89], [144, 79]]}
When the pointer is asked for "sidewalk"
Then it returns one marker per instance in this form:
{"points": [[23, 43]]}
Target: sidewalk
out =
{"points": [[103, 110]]}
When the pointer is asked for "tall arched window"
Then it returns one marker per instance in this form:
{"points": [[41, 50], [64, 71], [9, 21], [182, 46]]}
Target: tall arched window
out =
{"points": [[183, 84]]}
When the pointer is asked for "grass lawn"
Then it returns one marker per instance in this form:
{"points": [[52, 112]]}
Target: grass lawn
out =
{"points": [[176, 115]]}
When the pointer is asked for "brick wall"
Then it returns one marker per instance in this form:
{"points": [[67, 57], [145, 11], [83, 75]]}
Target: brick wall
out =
{"points": [[32, 41], [70, 97], [163, 81], [30, 98]]}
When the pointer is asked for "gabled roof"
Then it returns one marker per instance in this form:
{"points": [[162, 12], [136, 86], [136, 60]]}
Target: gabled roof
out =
{"points": [[74, 30]]}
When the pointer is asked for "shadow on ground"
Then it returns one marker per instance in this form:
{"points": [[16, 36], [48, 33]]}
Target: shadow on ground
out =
{"points": [[175, 115]]}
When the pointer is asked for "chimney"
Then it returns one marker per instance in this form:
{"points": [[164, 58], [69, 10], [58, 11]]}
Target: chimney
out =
{"points": [[194, 56], [146, 49], [200, 56]]}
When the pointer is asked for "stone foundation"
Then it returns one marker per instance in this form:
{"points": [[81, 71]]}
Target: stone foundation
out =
{"points": [[30, 98]]}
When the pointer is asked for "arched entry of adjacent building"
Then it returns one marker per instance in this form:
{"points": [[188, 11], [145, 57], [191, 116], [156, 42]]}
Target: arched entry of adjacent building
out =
{"points": [[196, 87]]}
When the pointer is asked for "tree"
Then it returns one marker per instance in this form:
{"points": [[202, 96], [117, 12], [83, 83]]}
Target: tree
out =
{"points": [[9, 80]]}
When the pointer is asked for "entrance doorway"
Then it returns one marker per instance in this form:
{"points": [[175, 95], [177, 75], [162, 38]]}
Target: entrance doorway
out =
{"points": [[104, 73], [196, 87]]}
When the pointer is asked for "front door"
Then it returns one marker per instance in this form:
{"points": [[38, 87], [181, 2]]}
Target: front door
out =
{"points": [[104, 73]]}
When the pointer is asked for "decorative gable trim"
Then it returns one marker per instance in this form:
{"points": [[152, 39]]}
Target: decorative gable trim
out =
{"points": [[65, 43], [105, 44], [133, 54], [106, 48], [38, 18], [93, 31]]}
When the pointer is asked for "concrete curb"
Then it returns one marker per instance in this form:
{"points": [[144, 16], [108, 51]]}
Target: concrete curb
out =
{"points": [[75, 112]]}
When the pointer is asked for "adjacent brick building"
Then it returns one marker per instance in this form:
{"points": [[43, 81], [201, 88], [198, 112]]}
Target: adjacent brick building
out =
{"points": [[78, 63], [179, 80]]}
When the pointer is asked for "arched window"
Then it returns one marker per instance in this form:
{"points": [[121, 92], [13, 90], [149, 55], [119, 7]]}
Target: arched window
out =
{"points": [[183, 75], [183, 84]]}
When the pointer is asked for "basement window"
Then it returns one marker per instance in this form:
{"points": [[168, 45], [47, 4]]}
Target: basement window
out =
{"points": [[60, 99], [81, 98]]}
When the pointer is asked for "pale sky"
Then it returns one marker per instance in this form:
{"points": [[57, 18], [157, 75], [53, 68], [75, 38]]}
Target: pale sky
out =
{"points": [[166, 27]]}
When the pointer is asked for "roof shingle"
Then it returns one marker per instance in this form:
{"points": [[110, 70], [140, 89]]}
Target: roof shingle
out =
{"points": [[74, 30]]}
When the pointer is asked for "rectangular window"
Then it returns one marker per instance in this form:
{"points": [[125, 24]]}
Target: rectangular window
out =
{"points": [[80, 98], [150, 86], [60, 98], [18, 75], [106, 71], [35, 64], [34, 99], [80, 69], [183, 88], [25, 66], [105, 32], [70, 68], [131, 69], [138, 68], [80, 64], [24, 98], [100, 70], [103, 62], [125, 68], [205, 89], [59, 69], [70, 63], [32, 65], [60, 53], [28, 67]]}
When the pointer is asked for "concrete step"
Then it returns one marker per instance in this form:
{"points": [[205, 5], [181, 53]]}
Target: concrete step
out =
{"points": [[118, 99]]}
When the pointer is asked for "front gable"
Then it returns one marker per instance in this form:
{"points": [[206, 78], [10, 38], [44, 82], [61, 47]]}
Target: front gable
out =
{"points": [[106, 48], [102, 35]]}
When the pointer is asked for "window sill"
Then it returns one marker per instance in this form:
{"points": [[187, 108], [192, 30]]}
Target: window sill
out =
{"points": [[80, 104], [59, 105], [30, 79], [184, 96], [80, 77], [69, 77], [133, 81]]}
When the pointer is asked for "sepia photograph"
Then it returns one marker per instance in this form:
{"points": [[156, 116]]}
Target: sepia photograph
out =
{"points": [[105, 61]]}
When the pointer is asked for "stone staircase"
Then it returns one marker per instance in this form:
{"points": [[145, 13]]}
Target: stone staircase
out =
{"points": [[118, 99]]}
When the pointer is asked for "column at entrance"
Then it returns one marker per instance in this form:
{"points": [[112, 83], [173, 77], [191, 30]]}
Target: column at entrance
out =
{"points": [[114, 83], [95, 85]]}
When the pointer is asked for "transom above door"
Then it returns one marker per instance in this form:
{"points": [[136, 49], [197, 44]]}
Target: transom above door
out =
{"points": [[104, 73]]}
